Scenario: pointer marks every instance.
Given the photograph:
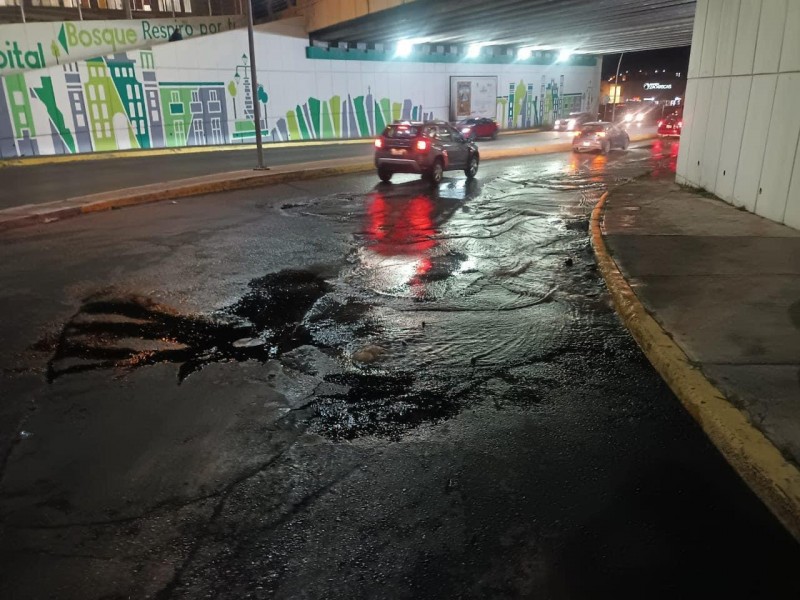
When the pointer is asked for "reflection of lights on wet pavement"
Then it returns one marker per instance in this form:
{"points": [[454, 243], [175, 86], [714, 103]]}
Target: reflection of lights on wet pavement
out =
{"points": [[468, 265], [665, 155], [398, 226], [400, 233]]}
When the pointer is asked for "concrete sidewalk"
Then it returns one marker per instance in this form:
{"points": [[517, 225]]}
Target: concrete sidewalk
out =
{"points": [[723, 288]]}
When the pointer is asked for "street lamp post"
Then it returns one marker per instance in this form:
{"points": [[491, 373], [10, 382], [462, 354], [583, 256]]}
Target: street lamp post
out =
{"points": [[256, 107], [616, 89]]}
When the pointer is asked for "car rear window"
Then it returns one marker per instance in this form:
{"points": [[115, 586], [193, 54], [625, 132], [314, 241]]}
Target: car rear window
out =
{"points": [[593, 128], [401, 131]]}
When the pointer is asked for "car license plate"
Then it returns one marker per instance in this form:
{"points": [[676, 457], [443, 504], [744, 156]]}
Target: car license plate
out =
{"points": [[587, 143], [398, 151]]}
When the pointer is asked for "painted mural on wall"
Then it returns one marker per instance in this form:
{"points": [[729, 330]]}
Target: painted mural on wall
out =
{"points": [[522, 107], [41, 45], [119, 103], [199, 92]]}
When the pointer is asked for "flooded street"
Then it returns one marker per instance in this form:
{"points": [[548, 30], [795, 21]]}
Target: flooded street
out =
{"points": [[348, 389]]}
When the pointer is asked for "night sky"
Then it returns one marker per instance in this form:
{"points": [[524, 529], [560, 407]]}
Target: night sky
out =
{"points": [[671, 59]]}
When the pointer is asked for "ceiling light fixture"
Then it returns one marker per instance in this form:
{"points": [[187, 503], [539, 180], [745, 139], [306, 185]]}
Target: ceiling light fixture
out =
{"points": [[474, 51], [404, 48]]}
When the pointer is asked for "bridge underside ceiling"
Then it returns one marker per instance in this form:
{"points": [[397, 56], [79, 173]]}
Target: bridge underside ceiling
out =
{"points": [[585, 26]]}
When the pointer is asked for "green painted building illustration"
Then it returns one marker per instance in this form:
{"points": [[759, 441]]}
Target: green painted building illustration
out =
{"points": [[131, 94], [195, 113], [21, 115], [110, 127]]}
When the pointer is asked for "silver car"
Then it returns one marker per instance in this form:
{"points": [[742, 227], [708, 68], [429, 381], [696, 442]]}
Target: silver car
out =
{"points": [[600, 136]]}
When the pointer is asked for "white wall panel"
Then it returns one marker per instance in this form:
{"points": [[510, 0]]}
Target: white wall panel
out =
{"points": [[792, 215], [688, 131], [735, 115], [770, 36], [741, 136], [790, 54], [710, 39], [697, 38], [754, 140], [746, 37], [784, 131], [716, 121], [729, 20], [702, 107]]}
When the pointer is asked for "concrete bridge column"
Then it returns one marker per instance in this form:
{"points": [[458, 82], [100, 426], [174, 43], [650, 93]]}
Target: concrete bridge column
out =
{"points": [[741, 120]]}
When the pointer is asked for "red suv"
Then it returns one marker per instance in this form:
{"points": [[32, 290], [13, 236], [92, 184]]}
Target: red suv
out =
{"points": [[478, 127], [670, 125], [428, 148]]}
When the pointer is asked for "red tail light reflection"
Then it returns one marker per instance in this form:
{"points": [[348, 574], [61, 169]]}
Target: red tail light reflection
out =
{"points": [[660, 151], [400, 227]]}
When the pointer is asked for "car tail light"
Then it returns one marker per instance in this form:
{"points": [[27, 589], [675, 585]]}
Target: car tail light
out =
{"points": [[680, 123], [601, 134], [660, 123], [379, 143], [423, 145]]}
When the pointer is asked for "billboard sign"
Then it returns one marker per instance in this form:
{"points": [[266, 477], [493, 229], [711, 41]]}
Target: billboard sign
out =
{"points": [[472, 97]]}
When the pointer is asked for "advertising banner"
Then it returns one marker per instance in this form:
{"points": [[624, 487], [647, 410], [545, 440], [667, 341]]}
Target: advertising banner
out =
{"points": [[39, 45], [472, 97]]}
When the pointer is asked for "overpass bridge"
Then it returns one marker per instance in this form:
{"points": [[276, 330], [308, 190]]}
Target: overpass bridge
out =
{"points": [[741, 130]]}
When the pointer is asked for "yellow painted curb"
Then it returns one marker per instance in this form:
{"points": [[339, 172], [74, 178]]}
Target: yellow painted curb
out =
{"points": [[138, 196], [775, 480]]}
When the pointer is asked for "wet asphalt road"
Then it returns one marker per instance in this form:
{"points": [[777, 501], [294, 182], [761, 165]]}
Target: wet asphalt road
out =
{"points": [[39, 183], [340, 389]]}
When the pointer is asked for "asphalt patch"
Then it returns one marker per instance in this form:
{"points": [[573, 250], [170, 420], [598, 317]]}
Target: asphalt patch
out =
{"points": [[132, 331]]}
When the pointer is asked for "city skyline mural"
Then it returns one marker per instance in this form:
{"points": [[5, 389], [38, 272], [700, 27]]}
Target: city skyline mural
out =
{"points": [[199, 92], [118, 103]]}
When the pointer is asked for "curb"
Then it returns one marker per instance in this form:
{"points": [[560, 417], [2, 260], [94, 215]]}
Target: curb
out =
{"points": [[773, 479], [63, 209], [22, 216]]}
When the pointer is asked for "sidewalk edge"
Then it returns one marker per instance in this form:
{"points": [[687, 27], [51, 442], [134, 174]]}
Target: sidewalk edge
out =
{"points": [[773, 479]]}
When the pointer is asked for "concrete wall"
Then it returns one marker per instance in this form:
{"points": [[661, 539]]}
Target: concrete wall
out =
{"points": [[198, 92], [742, 123]]}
